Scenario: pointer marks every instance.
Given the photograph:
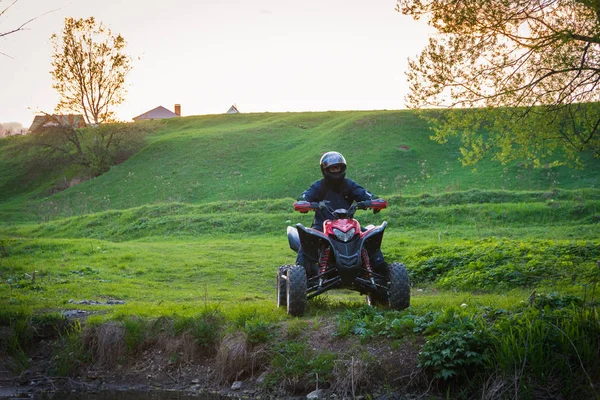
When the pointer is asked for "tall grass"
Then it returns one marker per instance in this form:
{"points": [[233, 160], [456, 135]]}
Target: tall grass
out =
{"points": [[556, 350]]}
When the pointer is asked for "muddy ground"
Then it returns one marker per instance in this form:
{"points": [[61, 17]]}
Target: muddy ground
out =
{"points": [[379, 370]]}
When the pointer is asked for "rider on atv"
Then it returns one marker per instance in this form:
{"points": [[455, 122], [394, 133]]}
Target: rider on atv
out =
{"points": [[341, 192]]}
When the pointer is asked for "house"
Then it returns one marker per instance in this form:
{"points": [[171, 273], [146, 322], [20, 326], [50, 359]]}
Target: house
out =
{"points": [[11, 129], [159, 113], [233, 110], [47, 120]]}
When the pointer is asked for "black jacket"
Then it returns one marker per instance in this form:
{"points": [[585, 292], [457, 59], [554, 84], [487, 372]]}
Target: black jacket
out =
{"points": [[338, 196]]}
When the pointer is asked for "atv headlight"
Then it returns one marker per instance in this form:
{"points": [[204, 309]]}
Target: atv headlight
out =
{"points": [[344, 236]]}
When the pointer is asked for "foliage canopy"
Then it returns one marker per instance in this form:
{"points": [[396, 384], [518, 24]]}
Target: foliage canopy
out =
{"points": [[529, 70], [89, 68]]}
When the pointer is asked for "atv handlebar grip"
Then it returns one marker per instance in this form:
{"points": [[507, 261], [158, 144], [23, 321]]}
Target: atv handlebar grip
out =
{"points": [[306, 206], [303, 206], [376, 204]]}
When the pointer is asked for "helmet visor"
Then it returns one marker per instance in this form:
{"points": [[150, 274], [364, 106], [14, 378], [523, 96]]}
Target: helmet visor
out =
{"points": [[335, 168], [332, 158]]}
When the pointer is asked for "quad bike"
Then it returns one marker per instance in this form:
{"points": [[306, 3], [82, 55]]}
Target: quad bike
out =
{"points": [[340, 257]]}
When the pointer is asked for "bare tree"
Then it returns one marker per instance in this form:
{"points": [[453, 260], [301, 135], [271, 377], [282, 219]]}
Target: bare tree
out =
{"points": [[19, 28], [528, 69], [89, 69]]}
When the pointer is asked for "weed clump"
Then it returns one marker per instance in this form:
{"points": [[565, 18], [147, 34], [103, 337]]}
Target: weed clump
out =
{"points": [[206, 328], [299, 368], [71, 352], [232, 358], [258, 331], [106, 342]]}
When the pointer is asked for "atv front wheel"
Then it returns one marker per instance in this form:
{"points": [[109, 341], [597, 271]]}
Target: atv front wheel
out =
{"points": [[282, 286], [296, 290], [399, 290]]}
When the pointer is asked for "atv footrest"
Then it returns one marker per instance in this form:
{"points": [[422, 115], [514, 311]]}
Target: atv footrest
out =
{"points": [[332, 284], [368, 287]]}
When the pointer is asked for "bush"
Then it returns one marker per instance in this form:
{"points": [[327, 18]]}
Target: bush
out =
{"points": [[93, 150], [207, 328], [503, 264], [456, 353], [258, 332]]}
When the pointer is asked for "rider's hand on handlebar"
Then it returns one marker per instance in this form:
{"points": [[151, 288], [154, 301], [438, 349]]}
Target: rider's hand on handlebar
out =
{"points": [[363, 205], [378, 205]]}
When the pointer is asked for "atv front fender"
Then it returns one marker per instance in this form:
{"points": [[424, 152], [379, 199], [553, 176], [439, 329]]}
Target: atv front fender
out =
{"points": [[293, 238], [311, 240], [372, 240]]}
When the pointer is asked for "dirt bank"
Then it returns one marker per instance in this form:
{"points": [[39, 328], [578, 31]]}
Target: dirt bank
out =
{"points": [[234, 366]]}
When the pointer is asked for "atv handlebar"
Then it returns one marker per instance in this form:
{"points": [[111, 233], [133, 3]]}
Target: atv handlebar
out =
{"points": [[305, 206], [376, 205]]}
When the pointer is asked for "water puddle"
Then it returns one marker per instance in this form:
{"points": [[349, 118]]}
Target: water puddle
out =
{"points": [[125, 395]]}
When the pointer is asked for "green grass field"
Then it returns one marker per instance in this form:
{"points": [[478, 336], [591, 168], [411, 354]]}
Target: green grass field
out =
{"points": [[197, 219], [270, 156]]}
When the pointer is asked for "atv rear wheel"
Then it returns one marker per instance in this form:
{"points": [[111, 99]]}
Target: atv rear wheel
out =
{"points": [[282, 286], [399, 290], [296, 290]]}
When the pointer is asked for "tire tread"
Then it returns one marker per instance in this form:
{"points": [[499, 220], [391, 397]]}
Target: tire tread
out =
{"points": [[296, 290], [399, 292]]}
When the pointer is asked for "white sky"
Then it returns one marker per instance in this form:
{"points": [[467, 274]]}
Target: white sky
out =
{"points": [[263, 55]]}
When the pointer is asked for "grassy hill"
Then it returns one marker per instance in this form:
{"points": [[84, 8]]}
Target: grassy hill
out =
{"points": [[265, 156], [185, 236], [218, 178]]}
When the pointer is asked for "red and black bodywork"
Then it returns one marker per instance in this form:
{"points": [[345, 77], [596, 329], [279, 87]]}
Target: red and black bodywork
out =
{"points": [[342, 255]]}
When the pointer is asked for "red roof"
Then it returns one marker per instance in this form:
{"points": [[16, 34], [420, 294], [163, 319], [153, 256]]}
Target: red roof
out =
{"points": [[40, 121]]}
